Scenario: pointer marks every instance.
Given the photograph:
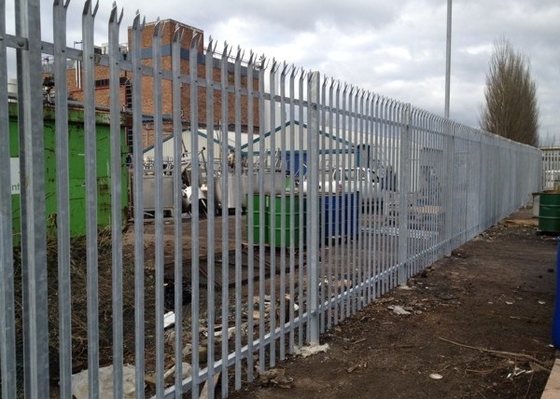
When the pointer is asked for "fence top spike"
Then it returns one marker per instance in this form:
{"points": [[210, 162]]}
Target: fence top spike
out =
{"points": [[194, 40], [274, 66], [113, 17], [285, 68], [262, 62], [240, 54], [57, 3], [227, 50], [294, 71], [215, 46], [251, 57], [136, 24], [178, 34], [87, 7], [159, 27]]}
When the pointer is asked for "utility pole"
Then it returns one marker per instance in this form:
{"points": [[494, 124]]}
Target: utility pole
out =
{"points": [[448, 59]]}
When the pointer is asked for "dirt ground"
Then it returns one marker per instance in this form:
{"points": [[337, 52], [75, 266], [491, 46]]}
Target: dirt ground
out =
{"points": [[479, 326]]}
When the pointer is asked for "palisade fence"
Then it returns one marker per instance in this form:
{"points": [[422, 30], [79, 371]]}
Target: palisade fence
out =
{"points": [[322, 199], [550, 168]]}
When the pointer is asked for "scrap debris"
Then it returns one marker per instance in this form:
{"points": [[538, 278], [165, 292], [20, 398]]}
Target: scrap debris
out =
{"points": [[398, 310], [277, 378], [80, 382], [186, 371], [517, 371], [436, 376], [359, 365], [306, 351]]}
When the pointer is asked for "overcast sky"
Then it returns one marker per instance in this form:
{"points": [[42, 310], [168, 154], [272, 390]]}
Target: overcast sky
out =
{"points": [[394, 48]]}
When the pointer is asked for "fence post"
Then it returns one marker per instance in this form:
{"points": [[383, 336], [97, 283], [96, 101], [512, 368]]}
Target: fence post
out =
{"points": [[63, 200], [404, 189], [7, 311], [450, 159], [116, 201], [33, 210], [91, 199], [313, 206]]}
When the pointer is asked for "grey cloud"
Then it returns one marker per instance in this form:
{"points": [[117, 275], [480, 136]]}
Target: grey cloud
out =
{"points": [[392, 48]]}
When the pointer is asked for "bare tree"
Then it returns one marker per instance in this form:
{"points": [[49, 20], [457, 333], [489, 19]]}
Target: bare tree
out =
{"points": [[511, 102], [549, 140]]}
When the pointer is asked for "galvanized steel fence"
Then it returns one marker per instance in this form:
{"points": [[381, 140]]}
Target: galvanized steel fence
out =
{"points": [[313, 198], [551, 168]]}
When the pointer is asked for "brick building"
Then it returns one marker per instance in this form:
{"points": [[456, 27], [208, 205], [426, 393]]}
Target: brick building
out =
{"points": [[102, 92]]}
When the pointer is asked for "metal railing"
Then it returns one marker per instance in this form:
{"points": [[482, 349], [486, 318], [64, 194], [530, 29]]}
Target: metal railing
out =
{"points": [[550, 168], [224, 291]]}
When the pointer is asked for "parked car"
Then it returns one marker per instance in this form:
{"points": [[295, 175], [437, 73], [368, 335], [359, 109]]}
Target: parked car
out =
{"points": [[351, 180]]}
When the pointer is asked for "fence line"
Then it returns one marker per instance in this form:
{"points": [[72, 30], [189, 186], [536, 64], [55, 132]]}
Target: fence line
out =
{"points": [[551, 168], [293, 202]]}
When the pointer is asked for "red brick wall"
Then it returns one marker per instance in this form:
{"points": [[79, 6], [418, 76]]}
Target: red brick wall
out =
{"points": [[169, 26]]}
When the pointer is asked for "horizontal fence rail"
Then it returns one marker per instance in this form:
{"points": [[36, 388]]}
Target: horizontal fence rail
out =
{"points": [[177, 216]]}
